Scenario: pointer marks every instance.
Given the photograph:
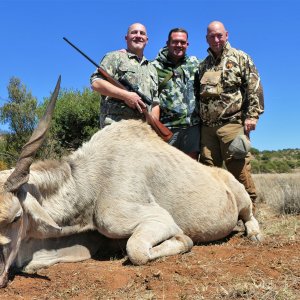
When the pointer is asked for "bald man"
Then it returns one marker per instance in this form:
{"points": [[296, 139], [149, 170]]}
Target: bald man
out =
{"points": [[231, 101], [118, 104]]}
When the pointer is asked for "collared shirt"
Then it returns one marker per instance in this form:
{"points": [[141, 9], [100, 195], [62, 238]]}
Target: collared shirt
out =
{"points": [[178, 107], [138, 72], [240, 95]]}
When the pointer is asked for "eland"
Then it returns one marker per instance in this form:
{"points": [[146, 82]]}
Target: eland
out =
{"points": [[125, 183]]}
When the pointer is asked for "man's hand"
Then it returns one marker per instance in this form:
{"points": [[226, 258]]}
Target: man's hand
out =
{"points": [[250, 124], [134, 101]]}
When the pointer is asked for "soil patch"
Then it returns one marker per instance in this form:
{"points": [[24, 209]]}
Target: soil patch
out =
{"points": [[232, 269]]}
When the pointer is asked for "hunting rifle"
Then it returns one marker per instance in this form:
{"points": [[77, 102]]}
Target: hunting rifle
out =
{"points": [[164, 132]]}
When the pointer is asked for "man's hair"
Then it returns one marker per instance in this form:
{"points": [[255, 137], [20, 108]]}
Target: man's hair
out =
{"points": [[177, 30], [129, 28]]}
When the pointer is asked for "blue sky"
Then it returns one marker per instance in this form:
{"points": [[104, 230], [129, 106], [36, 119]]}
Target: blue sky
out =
{"points": [[33, 50]]}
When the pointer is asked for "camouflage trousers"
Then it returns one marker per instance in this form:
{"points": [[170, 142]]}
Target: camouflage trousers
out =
{"points": [[214, 152], [115, 111], [109, 119]]}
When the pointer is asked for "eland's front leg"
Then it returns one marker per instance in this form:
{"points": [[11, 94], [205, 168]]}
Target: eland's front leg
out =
{"points": [[156, 239], [150, 229]]}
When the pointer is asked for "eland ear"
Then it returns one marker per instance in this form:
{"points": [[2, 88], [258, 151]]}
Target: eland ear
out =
{"points": [[43, 225]]}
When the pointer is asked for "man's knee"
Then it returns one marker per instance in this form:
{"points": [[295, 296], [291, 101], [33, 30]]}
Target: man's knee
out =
{"points": [[241, 170]]}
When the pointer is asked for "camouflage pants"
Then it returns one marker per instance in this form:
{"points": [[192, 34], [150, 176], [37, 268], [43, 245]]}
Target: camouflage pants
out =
{"points": [[214, 152], [115, 111], [109, 119]]}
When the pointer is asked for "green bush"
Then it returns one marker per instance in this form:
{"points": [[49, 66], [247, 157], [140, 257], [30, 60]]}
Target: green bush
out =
{"points": [[75, 120]]}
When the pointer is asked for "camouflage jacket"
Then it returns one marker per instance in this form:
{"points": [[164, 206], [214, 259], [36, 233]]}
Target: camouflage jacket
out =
{"points": [[237, 93], [177, 100], [140, 73]]}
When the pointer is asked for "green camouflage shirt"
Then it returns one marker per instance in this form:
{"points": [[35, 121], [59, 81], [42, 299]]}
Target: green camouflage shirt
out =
{"points": [[239, 91], [122, 65], [178, 106]]}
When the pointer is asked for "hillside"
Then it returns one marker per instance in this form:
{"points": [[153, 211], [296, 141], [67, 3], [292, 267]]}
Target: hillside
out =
{"points": [[281, 161]]}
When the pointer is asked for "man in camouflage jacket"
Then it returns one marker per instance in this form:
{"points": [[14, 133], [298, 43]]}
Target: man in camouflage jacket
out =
{"points": [[118, 104], [178, 109], [231, 100]]}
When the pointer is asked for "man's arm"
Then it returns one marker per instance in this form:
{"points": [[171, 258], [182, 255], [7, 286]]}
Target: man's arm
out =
{"points": [[253, 96], [105, 88], [110, 65]]}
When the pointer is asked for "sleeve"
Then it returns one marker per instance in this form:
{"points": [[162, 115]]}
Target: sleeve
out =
{"points": [[109, 64], [198, 75], [155, 96], [253, 105], [197, 92], [155, 102]]}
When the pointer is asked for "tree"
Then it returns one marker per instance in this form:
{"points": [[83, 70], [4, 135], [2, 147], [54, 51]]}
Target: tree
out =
{"points": [[254, 151], [20, 115], [75, 120]]}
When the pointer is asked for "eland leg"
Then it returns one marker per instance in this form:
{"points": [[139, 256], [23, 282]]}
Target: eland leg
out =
{"points": [[35, 254], [150, 229], [251, 224], [152, 240]]}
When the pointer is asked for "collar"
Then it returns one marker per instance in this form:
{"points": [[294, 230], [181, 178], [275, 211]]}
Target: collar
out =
{"points": [[134, 56], [226, 48], [163, 56]]}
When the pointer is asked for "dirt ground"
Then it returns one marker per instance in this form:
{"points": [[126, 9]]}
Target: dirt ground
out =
{"points": [[235, 268]]}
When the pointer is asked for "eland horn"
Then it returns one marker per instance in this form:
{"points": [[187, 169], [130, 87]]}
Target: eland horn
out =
{"points": [[20, 175]]}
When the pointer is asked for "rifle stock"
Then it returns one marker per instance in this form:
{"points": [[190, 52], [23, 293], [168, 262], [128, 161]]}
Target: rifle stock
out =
{"points": [[164, 132]]}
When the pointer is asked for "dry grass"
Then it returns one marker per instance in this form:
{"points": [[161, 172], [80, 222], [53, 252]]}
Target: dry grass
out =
{"points": [[283, 225], [279, 191], [264, 289]]}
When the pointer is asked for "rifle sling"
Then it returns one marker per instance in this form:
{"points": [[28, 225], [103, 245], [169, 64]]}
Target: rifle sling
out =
{"points": [[169, 75], [164, 82]]}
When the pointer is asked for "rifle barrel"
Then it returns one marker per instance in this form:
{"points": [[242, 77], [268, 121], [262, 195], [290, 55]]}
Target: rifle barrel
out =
{"points": [[161, 129], [95, 64]]}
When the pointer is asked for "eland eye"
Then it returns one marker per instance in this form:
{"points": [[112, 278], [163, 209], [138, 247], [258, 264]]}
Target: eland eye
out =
{"points": [[17, 218]]}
